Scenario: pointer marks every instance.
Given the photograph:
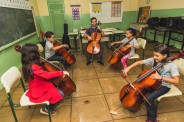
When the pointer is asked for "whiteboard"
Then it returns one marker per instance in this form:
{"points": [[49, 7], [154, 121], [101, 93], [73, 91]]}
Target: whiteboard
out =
{"points": [[105, 15]]}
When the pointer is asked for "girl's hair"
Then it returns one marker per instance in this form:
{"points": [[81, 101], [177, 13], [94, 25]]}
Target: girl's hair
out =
{"points": [[162, 49], [132, 31], [48, 34], [30, 56]]}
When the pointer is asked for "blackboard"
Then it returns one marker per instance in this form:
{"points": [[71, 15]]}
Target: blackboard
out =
{"points": [[15, 24]]}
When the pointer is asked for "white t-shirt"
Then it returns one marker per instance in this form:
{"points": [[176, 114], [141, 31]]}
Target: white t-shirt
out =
{"points": [[48, 51], [133, 42], [168, 70]]}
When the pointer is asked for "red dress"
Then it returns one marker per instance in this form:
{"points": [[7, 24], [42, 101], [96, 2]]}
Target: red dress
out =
{"points": [[40, 88]]}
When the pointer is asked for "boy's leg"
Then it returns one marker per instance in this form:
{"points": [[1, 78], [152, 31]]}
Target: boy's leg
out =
{"points": [[57, 57]]}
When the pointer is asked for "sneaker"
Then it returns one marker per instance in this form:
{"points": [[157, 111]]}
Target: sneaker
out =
{"points": [[88, 62], [44, 111], [100, 63]]}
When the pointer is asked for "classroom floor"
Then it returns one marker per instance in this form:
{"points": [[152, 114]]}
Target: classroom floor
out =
{"points": [[102, 90]]}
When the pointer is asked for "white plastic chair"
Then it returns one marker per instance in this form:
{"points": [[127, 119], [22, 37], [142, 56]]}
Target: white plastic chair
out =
{"points": [[174, 91], [142, 44], [8, 79]]}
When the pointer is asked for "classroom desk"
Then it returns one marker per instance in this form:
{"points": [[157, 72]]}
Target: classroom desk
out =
{"points": [[74, 34], [117, 32], [107, 32], [138, 26]]}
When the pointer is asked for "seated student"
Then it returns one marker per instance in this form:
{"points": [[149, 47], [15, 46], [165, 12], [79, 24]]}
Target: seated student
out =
{"points": [[133, 44], [167, 74], [92, 29], [40, 87], [50, 50]]}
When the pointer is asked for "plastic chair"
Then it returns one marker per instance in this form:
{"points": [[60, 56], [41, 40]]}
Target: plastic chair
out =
{"points": [[142, 44], [8, 79], [174, 91]]}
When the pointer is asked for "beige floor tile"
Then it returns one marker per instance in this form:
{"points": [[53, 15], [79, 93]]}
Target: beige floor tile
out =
{"points": [[87, 88], [113, 101], [181, 87], [84, 74], [170, 104], [165, 117], [16, 95], [23, 114], [132, 119], [111, 85], [3, 97], [62, 115], [95, 111], [109, 72], [81, 65]]}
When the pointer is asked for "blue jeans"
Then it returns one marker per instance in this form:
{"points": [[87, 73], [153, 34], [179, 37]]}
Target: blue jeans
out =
{"points": [[151, 109], [58, 57]]}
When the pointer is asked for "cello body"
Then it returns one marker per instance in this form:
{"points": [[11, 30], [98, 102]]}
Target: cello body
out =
{"points": [[66, 84], [94, 47], [131, 98], [115, 58], [70, 58]]}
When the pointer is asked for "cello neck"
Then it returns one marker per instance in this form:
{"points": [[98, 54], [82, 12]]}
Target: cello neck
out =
{"points": [[44, 60]]}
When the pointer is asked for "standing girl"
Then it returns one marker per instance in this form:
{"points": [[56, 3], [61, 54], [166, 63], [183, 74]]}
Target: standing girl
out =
{"points": [[130, 33], [168, 74], [40, 87]]}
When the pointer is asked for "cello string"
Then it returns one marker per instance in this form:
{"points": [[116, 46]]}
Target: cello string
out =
{"points": [[128, 81]]}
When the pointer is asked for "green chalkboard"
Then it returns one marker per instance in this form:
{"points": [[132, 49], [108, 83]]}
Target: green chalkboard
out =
{"points": [[15, 24]]}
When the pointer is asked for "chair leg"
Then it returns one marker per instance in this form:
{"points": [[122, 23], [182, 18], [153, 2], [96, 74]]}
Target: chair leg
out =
{"points": [[157, 102], [12, 107], [143, 59], [23, 86], [49, 113]]}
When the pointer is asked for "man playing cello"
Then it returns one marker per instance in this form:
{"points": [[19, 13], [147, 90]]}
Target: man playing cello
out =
{"points": [[89, 32]]}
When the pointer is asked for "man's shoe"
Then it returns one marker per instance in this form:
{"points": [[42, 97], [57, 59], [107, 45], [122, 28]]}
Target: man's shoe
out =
{"points": [[88, 62], [100, 63]]}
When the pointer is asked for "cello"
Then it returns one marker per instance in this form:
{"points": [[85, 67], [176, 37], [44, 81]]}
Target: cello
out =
{"points": [[70, 58], [132, 95], [115, 58], [65, 84], [94, 47]]}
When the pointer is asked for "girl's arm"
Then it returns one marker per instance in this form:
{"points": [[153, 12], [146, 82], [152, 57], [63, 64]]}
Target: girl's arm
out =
{"points": [[126, 70], [136, 47], [174, 79], [58, 47], [118, 42], [37, 70]]}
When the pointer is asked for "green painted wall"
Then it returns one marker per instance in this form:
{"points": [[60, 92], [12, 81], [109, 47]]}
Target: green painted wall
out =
{"points": [[128, 18], [9, 57], [166, 13]]}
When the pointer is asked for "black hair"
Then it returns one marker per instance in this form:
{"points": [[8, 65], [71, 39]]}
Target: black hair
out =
{"points": [[48, 34], [132, 31], [93, 19], [162, 49], [29, 56]]}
